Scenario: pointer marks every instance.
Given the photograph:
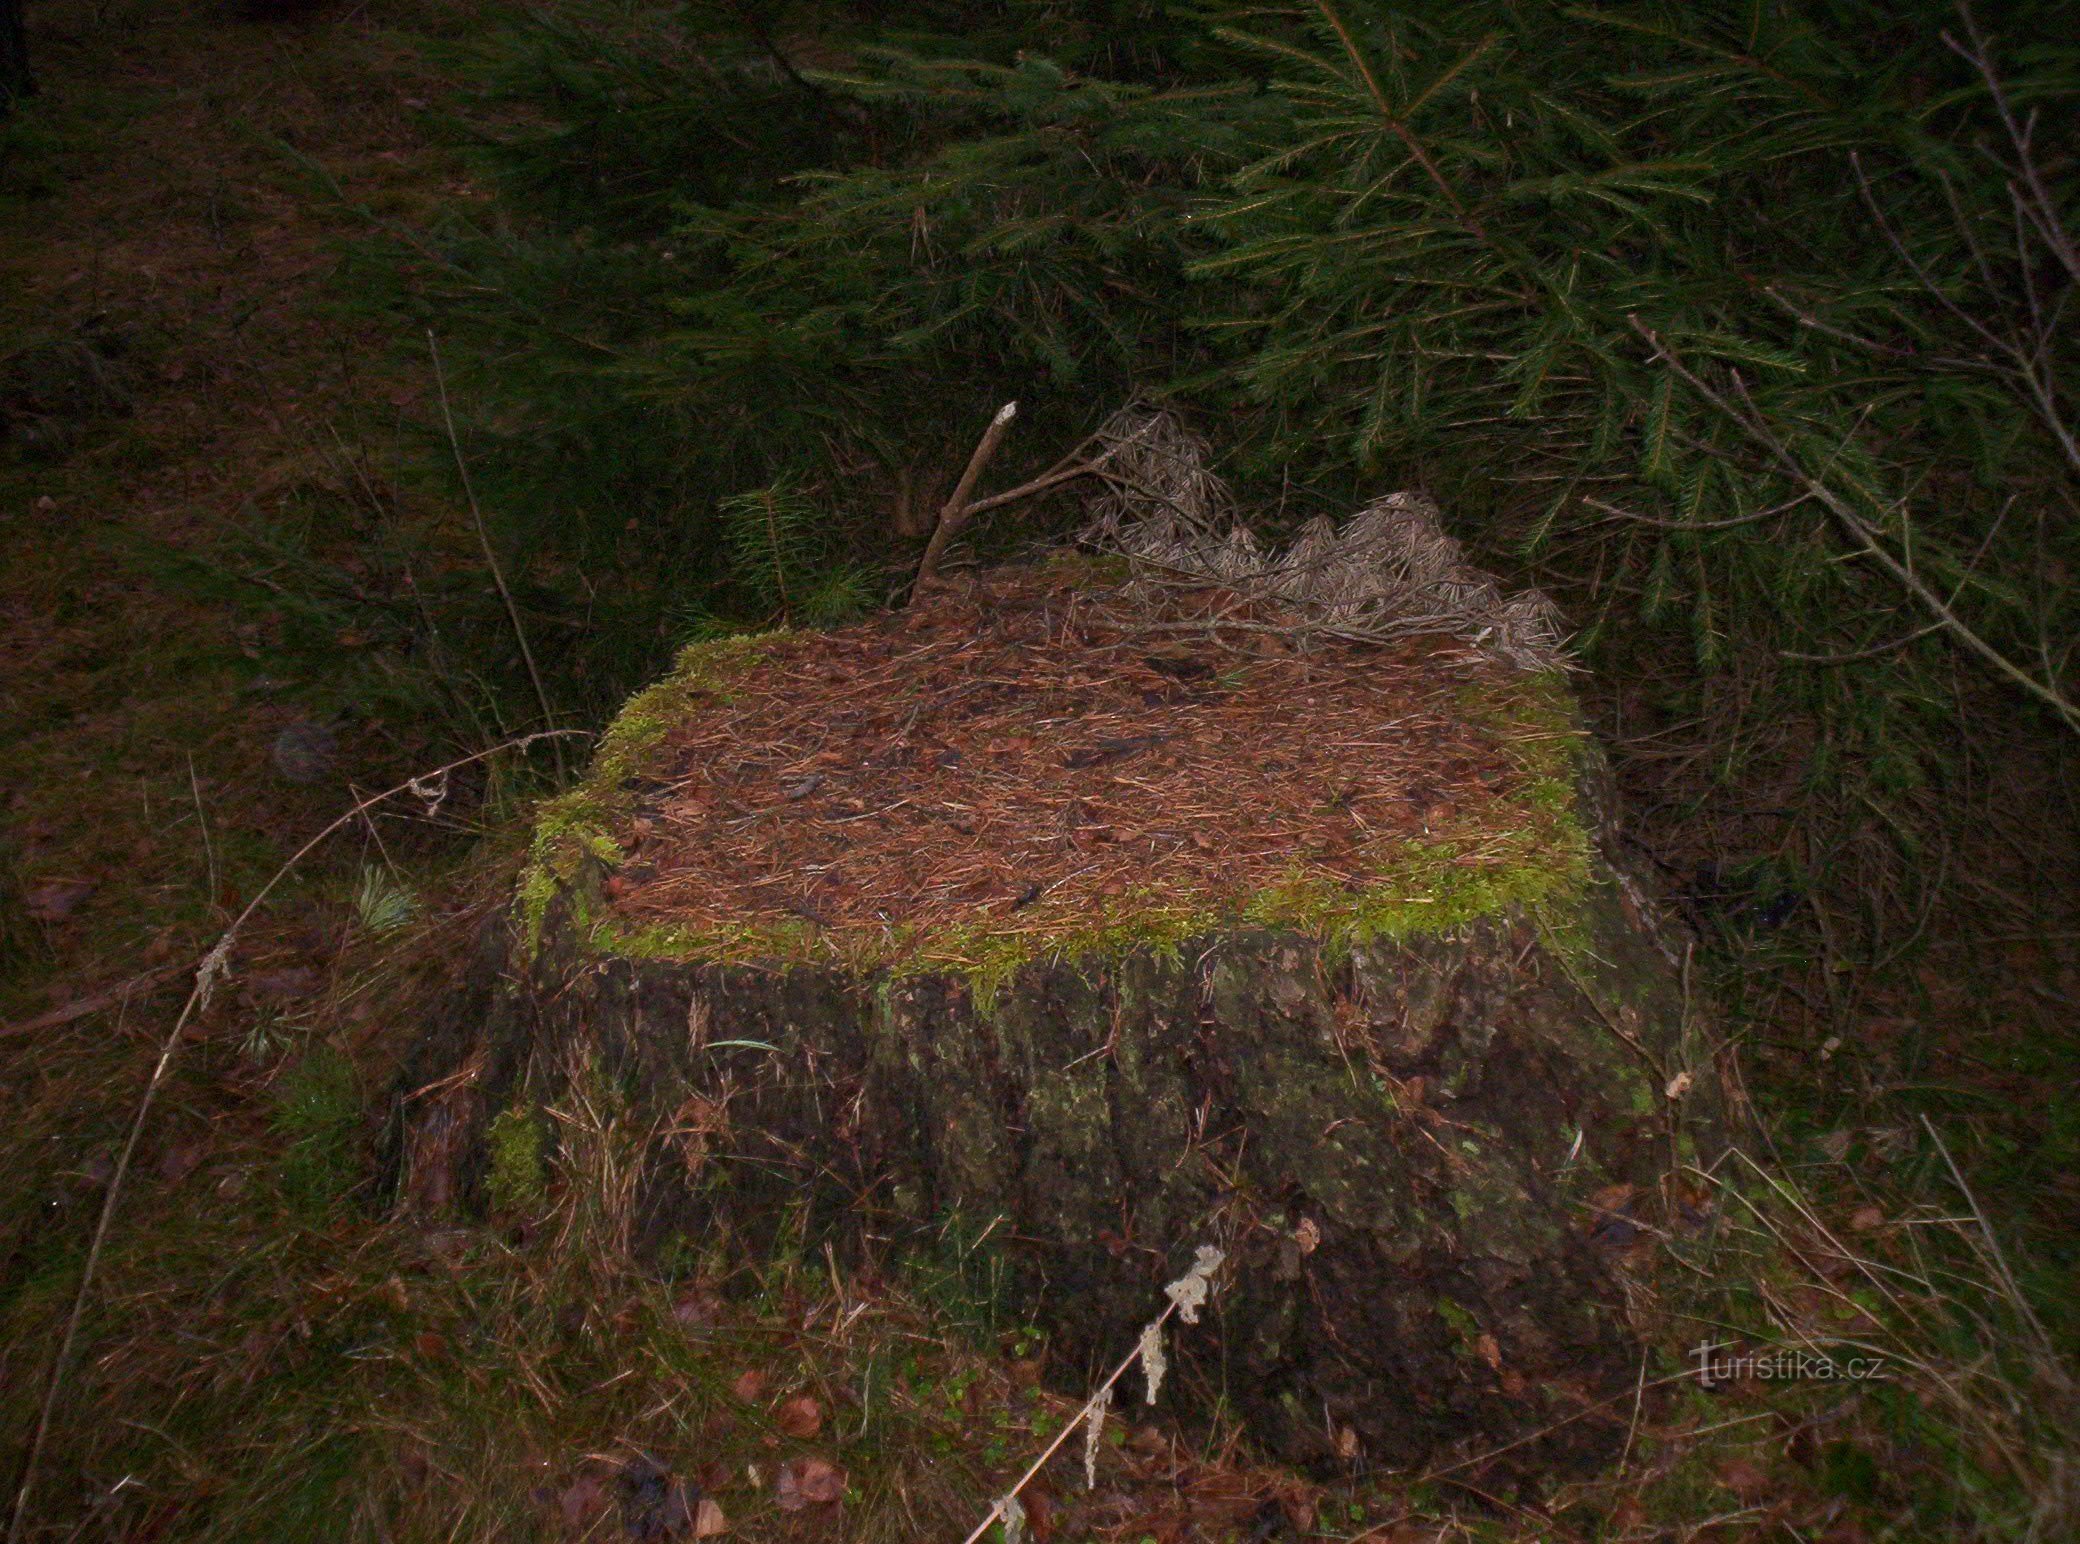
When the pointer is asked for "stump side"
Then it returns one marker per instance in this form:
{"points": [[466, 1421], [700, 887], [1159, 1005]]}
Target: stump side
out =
{"points": [[1429, 1119], [1428, 1157]]}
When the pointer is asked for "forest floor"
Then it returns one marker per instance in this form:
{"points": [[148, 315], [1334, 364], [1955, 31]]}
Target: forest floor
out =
{"points": [[190, 412]]}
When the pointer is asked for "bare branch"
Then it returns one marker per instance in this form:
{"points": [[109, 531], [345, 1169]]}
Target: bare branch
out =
{"points": [[2044, 209], [1866, 536], [955, 513]]}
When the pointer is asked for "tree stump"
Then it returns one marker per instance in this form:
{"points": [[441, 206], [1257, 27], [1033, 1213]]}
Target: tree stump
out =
{"points": [[1014, 906]]}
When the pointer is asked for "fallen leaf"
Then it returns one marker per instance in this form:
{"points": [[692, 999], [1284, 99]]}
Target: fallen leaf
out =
{"points": [[1297, 1502], [296, 981], [696, 1307], [582, 1500], [1612, 1198], [1628, 1515], [179, 1160], [822, 1483], [1742, 1477], [800, 1417], [750, 1386], [1489, 1350], [807, 1482], [53, 900], [708, 1520], [1864, 1218], [1040, 1512], [305, 752], [653, 1504]]}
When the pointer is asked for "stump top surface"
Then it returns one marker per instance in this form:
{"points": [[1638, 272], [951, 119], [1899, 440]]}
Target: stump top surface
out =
{"points": [[1019, 755]]}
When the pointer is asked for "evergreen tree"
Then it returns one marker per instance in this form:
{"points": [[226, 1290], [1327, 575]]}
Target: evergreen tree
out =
{"points": [[1740, 331]]}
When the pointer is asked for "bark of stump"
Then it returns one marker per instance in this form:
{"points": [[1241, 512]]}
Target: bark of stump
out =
{"points": [[1425, 1152], [1423, 1158]]}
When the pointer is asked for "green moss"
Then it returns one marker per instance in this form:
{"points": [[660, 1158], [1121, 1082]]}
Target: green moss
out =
{"points": [[518, 1178], [576, 826], [1524, 849], [1466, 1330]]}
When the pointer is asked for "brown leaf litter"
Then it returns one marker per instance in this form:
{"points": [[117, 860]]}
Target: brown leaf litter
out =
{"points": [[1017, 750]]}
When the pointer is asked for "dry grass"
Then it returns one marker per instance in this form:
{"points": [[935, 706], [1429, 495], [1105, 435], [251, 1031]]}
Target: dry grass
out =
{"points": [[1389, 573]]}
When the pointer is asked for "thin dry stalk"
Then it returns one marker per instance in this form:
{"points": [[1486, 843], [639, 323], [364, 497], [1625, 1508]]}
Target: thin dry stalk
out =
{"points": [[1186, 1294], [498, 577]]}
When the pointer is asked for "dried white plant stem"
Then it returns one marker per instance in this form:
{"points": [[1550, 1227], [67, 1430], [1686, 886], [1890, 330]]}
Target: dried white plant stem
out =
{"points": [[1186, 1295]]}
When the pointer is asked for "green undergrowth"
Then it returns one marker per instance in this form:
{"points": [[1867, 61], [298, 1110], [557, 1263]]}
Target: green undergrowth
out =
{"points": [[1871, 1360], [317, 1115], [1525, 848]]}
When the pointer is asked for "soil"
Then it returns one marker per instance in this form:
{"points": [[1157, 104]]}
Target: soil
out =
{"points": [[174, 378]]}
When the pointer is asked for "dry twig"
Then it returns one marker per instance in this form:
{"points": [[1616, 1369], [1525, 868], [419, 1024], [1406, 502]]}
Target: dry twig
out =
{"points": [[476, 514], [955, 513]]}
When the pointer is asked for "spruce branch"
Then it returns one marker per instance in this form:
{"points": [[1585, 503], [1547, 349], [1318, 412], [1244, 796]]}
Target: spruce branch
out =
{"points": [[1397, 123], [773, 540], [1867, 538]]}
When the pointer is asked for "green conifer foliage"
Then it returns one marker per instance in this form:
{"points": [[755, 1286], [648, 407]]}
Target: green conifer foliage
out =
{"points": [[1744, 330]]}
